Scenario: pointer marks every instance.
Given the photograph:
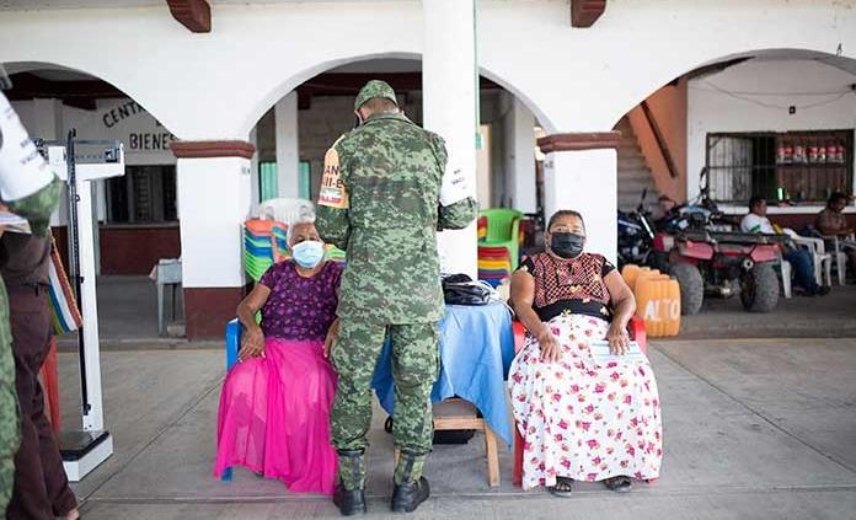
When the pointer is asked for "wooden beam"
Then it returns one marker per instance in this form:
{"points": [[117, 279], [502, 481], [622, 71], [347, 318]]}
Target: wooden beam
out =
{"points": [[349, 84], [584, 13], [80, 94], [193, 14], [579, 141], [207, 149], [83, 93]]}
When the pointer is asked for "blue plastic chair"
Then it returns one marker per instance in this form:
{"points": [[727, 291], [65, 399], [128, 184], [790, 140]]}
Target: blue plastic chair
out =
{"points": [[233, 343]]}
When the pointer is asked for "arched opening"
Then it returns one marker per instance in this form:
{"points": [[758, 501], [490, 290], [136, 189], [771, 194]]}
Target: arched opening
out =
{"points": [[136, 214], [732, 116], [318, 109], [776, 124]]}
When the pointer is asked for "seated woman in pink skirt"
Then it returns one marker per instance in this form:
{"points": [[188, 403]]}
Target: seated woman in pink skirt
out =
{"points": [[275, 404]]}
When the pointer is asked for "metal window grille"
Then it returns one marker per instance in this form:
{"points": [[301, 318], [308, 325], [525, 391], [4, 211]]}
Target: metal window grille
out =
{"points": [[144, 195], [802, 167]]}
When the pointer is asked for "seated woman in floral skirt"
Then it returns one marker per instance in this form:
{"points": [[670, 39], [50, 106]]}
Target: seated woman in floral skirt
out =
{"points": [[580, 420]]}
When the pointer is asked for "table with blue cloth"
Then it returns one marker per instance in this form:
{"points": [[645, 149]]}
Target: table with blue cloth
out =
{"points": [[476, 349]]}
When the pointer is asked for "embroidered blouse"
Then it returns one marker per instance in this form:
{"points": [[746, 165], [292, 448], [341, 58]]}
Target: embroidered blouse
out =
{"points": [[569, 286], [300, 308]]}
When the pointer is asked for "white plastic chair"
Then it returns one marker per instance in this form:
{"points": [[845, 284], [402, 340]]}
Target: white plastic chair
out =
{"points": [[839, 255], [286, 210], [821, 259], [787, 271]]}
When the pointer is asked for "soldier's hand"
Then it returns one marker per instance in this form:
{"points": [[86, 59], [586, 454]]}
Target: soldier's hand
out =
{"points": [[332, 335], [253, 344]]}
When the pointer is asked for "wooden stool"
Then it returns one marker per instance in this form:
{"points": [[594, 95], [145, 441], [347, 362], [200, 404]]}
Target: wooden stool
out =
{"points": [[458, 414]]}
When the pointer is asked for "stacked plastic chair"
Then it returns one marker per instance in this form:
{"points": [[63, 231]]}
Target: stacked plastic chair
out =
{"points": [[499, 244], [494, 265], [265, 243]]}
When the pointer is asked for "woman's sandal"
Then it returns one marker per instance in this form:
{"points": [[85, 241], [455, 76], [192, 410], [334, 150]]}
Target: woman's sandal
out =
{"points": [[564, 487], [619, 484]]}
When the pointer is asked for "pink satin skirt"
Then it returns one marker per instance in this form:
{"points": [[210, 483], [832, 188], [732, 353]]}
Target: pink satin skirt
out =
{"points": [[274, 417]]}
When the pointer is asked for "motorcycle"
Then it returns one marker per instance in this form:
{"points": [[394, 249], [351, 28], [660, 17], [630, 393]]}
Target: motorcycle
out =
{"points": [[635, 235]]}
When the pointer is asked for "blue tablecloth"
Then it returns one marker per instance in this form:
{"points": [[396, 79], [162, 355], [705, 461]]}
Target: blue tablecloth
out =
{"points": [[476, 349]]}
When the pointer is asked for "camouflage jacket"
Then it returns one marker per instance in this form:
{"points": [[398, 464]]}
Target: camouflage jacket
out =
{"points": [[379, 202]]}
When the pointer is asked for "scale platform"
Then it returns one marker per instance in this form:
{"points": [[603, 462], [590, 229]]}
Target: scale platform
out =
{"points": [[83, 451]]}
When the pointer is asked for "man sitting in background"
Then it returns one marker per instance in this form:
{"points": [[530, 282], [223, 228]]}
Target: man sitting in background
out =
{"points": [[831, 222], [757, 222]]}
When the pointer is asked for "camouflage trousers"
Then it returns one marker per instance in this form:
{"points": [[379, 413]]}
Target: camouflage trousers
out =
{"points": [[9, 418], [415, 364]]}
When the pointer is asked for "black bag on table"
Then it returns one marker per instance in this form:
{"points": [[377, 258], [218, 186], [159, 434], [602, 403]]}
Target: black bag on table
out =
{"points": [[460, 289]]}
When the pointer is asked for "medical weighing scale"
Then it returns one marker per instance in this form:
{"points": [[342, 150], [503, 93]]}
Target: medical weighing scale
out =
{"points": [[86, 162]]}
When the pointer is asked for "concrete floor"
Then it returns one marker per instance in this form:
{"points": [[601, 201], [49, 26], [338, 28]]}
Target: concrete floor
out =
{"points": [[823, 316], [754, 428], [759, 428], [128, 313]]}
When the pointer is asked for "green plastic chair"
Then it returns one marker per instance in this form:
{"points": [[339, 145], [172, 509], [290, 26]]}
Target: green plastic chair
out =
{"points": [[503, 230]]}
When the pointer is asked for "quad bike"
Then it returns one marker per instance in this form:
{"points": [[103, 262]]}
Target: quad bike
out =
{"points": [[722, 263], [708, 259]]}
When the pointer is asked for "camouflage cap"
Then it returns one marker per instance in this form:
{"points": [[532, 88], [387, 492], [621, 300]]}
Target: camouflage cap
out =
{"points": [[375, 89]]}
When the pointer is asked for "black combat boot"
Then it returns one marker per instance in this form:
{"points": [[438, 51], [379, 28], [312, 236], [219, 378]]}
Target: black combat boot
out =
{"points": [[407, 496], [351, 501]]}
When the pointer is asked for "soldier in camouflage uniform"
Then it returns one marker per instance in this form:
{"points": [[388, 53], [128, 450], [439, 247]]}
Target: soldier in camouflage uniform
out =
{"points": [[28, 188], [385, 193]]}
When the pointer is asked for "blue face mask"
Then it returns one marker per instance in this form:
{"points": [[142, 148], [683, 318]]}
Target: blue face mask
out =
{"points": [[308, 254]]}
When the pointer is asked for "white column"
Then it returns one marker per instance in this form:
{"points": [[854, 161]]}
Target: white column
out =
{"points": [[214, 194], [255, 189], [449, 77], [586, 181], [287, 145], [520, 158]]}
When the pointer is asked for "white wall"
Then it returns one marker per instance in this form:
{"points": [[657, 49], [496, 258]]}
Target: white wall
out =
{"points": [[146, 140], [217, 85], [730, 102], [211, 236]]}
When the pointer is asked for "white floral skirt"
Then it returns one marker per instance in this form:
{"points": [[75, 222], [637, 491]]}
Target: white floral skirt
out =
{"points": [[581, 420]]}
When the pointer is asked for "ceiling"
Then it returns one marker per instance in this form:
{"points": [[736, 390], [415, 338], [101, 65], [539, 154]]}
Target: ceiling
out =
{"points": [[376, 66]]}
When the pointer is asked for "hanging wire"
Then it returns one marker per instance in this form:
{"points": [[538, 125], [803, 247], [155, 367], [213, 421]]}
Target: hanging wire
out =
{"points": [[747, 97]]}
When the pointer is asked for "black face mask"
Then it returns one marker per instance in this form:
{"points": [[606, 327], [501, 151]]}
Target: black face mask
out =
{"points": [[567, 245]]}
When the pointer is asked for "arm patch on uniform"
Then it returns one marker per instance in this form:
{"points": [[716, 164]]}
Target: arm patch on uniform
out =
{"points": [[454, 186], [333, 193]]}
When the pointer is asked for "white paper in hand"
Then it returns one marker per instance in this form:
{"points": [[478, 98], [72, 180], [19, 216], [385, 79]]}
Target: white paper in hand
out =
{"points": [[455, 186], [23, 171]]}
